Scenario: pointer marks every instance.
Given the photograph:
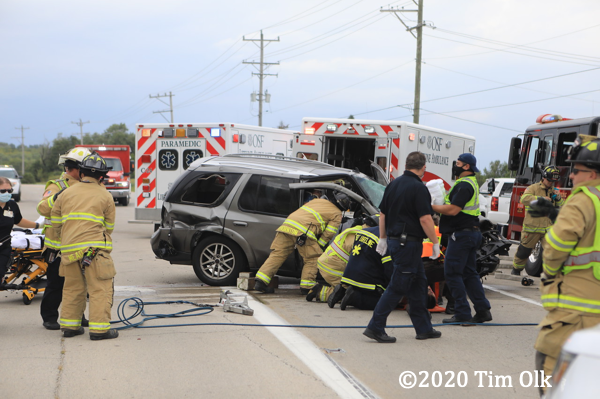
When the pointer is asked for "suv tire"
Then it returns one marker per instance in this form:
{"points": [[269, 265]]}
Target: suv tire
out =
{"points": [[218, 261], [534, 262], [16, 197]]}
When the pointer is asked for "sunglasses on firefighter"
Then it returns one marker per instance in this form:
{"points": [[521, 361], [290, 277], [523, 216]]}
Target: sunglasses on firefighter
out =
{"points": [[575, 171], [10, 190]]}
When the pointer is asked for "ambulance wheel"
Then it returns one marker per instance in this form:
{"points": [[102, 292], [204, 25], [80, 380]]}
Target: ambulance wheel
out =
{"points": [[124, 201], [218, 261], [27, 300], [534, 262]]}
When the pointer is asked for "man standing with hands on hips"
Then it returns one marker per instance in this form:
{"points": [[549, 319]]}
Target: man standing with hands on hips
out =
{"points": [[404, 221], [460, 220]]}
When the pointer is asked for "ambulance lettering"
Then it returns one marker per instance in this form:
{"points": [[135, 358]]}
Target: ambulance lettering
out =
{"points": [[256, 140]]}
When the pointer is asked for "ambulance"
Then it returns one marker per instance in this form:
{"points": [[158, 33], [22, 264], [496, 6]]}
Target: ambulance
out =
{"points": [[379, 148], [165, 150]]}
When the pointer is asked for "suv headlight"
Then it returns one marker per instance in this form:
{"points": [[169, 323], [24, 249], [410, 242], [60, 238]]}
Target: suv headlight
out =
{"points": [[122, 184]]}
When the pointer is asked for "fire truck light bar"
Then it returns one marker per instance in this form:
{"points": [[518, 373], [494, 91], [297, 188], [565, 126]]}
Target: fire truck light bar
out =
{"points": [[548, 118]]}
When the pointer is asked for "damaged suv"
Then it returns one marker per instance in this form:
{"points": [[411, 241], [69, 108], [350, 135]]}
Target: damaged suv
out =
{"points": [[221, 215]]}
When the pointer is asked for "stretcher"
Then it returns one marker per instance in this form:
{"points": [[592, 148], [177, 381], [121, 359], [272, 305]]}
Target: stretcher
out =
{"points": [[28, 266]]}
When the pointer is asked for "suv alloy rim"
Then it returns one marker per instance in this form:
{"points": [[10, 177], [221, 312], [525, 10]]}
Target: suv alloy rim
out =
{"points": [[217, 261]]}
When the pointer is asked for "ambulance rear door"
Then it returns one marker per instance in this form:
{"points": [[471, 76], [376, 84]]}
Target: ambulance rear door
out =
{"points": [[308, 146], [174, 154]]}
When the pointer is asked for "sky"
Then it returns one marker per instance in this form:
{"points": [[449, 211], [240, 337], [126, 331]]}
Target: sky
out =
{"points": [[490, 68]]}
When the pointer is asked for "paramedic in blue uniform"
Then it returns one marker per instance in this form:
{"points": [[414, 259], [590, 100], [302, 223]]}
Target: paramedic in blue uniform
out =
{"points": [[405, 220], [10, 214], [460, 220]]}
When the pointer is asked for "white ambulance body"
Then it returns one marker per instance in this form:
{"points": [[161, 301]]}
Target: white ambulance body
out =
{"points": [[165, 150], [354, 143]]}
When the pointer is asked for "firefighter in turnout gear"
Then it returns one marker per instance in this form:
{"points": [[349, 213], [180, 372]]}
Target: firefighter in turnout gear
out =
{"points": [[534, 228], [367, 273], [308, 229], [333, 261], [571, 261], [83, 217], [53, 292]]}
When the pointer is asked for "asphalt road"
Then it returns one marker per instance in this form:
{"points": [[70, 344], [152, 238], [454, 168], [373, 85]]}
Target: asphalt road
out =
{"points": [[222, 358]]}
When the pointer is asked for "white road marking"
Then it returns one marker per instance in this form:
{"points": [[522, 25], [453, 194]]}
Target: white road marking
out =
{"points": [[331, 373], [519, 297]]}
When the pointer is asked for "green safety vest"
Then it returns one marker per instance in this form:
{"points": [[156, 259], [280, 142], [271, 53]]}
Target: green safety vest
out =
{"points": [[471, 207]]}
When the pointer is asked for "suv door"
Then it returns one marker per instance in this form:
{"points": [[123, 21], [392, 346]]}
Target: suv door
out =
{"points": [[256, 213]]}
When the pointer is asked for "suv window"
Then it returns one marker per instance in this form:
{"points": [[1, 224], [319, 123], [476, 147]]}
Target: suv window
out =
{"points": [[269, 194], [8, 173], [209, 189], [506, 189]]}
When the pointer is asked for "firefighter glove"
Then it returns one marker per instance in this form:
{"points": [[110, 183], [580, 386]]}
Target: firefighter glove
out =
{"points": [[382, 246], [435, 251], [540, 207]]}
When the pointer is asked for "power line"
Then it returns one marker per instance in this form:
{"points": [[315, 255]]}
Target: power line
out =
{"points": [[216, 95], [170, 104]]}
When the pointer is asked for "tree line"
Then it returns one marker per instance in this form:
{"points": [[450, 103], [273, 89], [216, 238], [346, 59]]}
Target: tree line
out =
{"points": [[41, 160]]}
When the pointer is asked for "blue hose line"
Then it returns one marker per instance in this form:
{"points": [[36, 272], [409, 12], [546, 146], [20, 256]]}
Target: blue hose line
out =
{"points": [[201, 309]]}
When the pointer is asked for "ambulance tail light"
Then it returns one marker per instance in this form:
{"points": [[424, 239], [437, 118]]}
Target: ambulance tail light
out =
{"points": [[146, 188], [309, 130], [236, 138], [494, 204], [146, 159], [146, 132]]}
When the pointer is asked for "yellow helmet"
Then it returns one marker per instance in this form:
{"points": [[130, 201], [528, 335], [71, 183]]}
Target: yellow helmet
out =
{"points": [[75, 155]]}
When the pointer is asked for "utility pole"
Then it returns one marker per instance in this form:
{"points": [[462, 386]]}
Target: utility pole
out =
{"points": [[261, 70], [170, 104], [22, 148], [419, 37], [80, 124]]}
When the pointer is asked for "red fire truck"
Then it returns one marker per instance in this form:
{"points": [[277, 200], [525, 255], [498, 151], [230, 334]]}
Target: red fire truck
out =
{"points": [[545, 143], [119, 158]]}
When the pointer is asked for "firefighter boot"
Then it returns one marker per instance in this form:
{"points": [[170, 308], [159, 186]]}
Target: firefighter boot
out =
{"points": [[515, 272], [314, 292], [260, 285], [67, 333], [347, 298], [336, 296], [110, 334]]}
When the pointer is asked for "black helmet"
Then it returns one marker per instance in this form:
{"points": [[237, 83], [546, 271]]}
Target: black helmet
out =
{"points": [[94, 165], [551, 173], [586, 150], [343, 200], [371, 220]]}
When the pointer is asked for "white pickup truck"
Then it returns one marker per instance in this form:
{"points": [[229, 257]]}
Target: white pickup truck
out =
{"points": [[494, 199]]}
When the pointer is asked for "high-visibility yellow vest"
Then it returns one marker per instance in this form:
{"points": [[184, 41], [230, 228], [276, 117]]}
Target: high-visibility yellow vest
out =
{"points": [[471, 207]]}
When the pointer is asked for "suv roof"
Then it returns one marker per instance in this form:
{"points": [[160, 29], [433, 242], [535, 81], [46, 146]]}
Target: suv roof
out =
{"points": [[272, 163]]}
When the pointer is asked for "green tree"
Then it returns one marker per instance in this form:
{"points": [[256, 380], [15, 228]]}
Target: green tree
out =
{"points": [[496, 168], [282, 125], [351, 117]]}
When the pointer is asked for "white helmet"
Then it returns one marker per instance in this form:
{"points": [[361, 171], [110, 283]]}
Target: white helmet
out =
{"points": [[75, 154]]}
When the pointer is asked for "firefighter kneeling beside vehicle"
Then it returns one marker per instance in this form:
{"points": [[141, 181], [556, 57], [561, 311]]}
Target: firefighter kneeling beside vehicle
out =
{"points": [[308, 229], [83, 217], [571, 261]]}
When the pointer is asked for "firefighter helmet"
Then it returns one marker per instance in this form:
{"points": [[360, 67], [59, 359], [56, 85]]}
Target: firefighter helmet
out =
{"points": [[343, 200], [551, 173], [74, 156], [94, 165], [586, 150]]}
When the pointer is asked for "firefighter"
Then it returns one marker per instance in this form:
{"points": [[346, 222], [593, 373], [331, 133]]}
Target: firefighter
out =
{"points": [[460, 220], [534, 229], [367, 273], [571, 289], [333, 261], [308, 229], [53, 293], [84, 217]]}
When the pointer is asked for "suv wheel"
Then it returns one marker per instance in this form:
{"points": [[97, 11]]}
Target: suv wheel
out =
{"points": [[16, 197], [218, 261]]}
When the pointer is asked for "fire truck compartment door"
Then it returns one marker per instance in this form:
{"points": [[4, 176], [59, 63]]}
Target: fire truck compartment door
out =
{"points": [[173, 157]]}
